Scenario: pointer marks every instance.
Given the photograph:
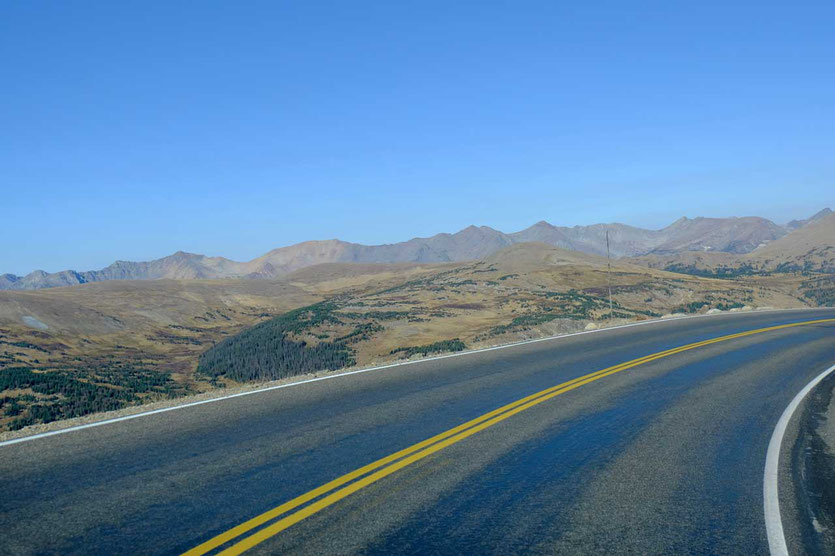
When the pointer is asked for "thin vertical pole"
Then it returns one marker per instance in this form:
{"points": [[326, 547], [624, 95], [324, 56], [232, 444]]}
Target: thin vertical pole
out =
{"points": [[609, 276]]}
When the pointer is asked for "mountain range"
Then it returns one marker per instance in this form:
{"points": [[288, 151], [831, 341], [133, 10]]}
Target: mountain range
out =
{"points": [[809, 247], [726, 235]]}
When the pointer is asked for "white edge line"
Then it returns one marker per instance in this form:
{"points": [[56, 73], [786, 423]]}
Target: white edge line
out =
{"points": [[771, 495], [369, 369]]}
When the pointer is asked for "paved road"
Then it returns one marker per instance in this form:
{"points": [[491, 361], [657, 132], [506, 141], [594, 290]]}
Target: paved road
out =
{"points": [[664, 456]]}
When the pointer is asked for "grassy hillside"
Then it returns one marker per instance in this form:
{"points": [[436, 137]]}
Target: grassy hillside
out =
{"points": [[71, 351], [66, 352], [524, 291]]}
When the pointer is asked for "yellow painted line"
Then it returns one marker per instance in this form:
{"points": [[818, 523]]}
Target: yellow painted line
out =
{"points": [[425, 448], [327, 487]]}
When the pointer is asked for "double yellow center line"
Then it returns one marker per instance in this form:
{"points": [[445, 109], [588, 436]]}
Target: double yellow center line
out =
{"points": [[347, 484]]}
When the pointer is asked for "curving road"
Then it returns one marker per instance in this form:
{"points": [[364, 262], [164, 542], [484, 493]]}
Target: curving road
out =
{"points": [[613, 441]]}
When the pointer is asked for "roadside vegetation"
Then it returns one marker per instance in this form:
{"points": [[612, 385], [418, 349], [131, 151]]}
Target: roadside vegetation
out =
{"points": [[428, 349], [42, 397], [745, 269], [819, 291]]}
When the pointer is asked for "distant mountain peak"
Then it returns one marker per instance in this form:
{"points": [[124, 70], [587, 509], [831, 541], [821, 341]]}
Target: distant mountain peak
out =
{"points": [[795, 224], [543, 224], [474, 228]]}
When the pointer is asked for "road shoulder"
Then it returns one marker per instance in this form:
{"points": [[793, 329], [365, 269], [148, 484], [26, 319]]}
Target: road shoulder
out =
{"points": [[813, 474]]}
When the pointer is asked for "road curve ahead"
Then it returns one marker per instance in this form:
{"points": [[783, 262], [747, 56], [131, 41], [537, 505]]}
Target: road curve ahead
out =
{"points": [[647, 439]]}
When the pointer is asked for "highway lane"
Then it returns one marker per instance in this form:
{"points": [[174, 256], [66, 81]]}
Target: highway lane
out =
{"points": [[665, 456]]}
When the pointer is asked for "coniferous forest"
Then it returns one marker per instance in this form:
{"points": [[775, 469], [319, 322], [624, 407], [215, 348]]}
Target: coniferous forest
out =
{"points": [[264, 352]]}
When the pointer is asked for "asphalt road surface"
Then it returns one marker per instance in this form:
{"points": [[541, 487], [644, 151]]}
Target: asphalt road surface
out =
{"points": [[662, 455]]}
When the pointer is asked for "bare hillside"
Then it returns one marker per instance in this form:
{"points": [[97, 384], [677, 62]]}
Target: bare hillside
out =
{"points": [[810, 247]]}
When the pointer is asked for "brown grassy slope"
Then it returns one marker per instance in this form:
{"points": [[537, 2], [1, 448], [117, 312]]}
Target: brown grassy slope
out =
{"points": [[163, 323], [693, 262], [102, 333], [811, 247], [167, 323], [523, 291]]}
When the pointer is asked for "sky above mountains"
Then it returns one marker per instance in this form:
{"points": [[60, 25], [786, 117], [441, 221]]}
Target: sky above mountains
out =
{"points": [[132, 130]]}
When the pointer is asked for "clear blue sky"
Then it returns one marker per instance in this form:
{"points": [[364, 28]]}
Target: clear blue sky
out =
{"points": [[133, 129]]}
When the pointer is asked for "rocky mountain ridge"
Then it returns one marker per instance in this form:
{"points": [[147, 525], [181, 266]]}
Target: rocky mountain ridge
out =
{"points": [[808, 248], [726, 235]]}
